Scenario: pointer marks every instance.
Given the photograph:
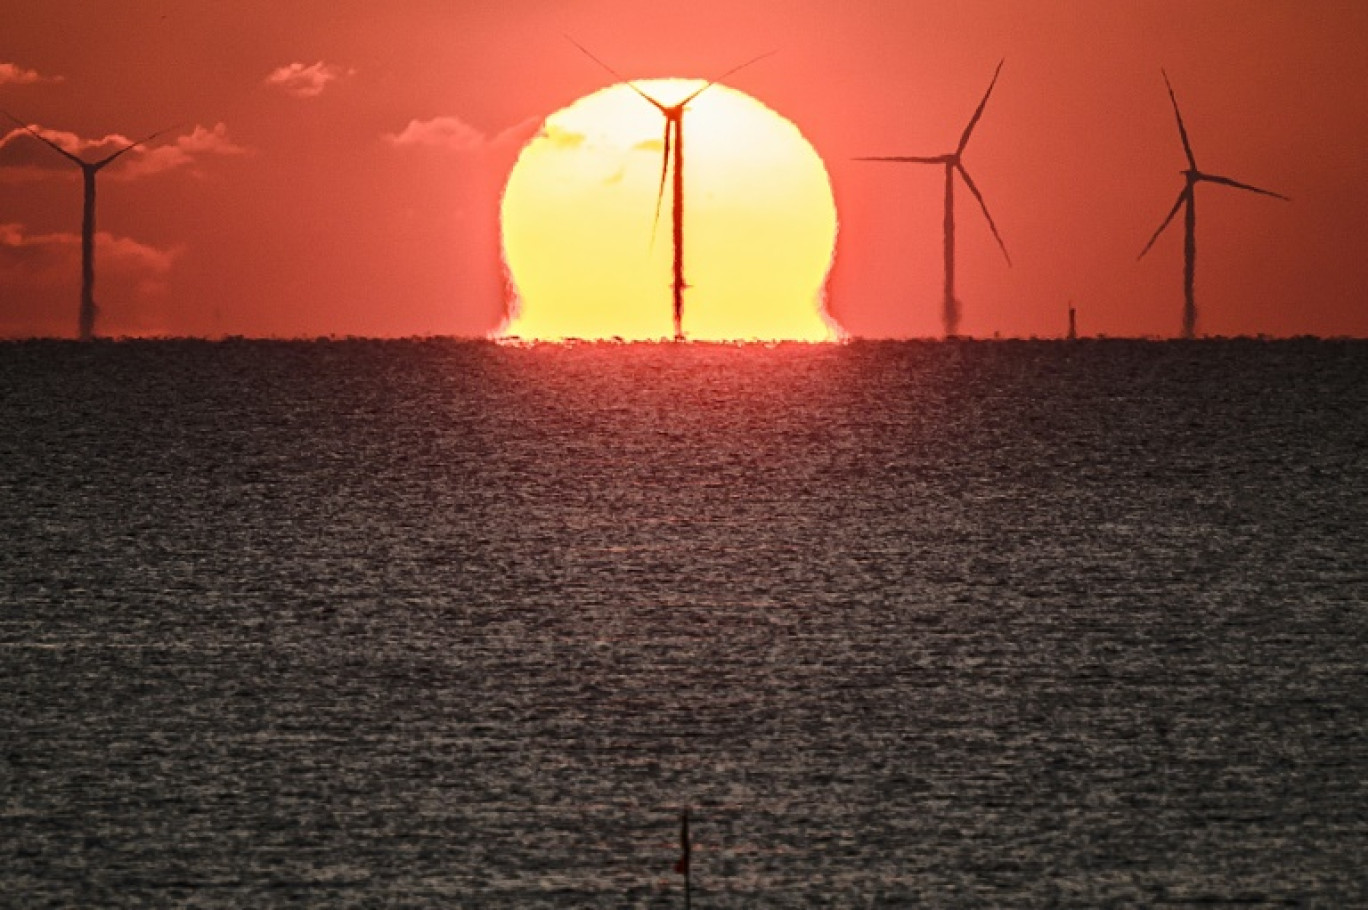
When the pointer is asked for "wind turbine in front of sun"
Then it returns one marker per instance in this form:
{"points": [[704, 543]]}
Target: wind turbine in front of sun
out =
{"points": [[672, 165]]}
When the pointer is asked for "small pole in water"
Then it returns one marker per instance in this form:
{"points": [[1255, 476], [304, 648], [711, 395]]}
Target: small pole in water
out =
{"points": [[682, 867]]}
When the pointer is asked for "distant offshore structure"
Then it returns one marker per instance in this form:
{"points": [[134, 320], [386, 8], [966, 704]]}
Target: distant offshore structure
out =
{"points": [[89, 170], [672, 160], [1188, 197], [952, 162]]}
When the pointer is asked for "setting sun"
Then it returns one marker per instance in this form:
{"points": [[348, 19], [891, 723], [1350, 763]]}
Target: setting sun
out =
{"points": [[588, 262]]}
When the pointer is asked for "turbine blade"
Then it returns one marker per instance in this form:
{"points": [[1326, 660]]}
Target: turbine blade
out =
{"points": [[733, 70], [664, 169], [905, 159], [45, 140], [1182, 197], [104, 162], [1226, 181], [1182, 130], [969, 182], [978, 112], [616, 75], [590, 54]]}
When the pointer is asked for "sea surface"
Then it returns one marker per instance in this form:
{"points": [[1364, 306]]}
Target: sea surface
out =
{"points": [[452, 624]]}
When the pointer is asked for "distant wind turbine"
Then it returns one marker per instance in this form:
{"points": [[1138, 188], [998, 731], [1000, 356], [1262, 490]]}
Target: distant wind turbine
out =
{"points": [[88, 171], [1188, 197], [672, 162], [952, 162]]}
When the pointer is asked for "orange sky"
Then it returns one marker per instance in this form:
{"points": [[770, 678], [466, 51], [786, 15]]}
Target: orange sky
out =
{"points": [[356, 191]]}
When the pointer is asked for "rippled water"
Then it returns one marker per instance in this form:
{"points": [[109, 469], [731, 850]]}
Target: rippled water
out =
{"points": [[449, 624]]}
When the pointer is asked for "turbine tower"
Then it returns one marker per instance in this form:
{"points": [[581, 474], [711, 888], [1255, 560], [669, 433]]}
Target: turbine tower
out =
{"points": [[952, 162], [1188, 197], [86, 329], [672, 165]]}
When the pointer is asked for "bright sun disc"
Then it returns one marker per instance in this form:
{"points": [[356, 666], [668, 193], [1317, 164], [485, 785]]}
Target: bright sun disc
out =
{"points": [[759, 222]]}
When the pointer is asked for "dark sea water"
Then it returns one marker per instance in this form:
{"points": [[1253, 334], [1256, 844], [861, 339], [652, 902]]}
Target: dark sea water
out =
{"points": [[441, 624]]}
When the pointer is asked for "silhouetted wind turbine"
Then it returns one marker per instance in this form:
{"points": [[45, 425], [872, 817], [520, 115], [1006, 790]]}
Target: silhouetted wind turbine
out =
{"points": [[88, 171], [1188, 197], [952, 162], [672, 161]]}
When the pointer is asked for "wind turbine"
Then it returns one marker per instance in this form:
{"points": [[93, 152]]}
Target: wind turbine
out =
{"points": [[1188, 197], [88, 171], [672, 163], [953, 163]]}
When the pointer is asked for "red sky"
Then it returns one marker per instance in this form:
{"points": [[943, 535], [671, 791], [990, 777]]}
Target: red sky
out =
{"points": [[336, 165]]}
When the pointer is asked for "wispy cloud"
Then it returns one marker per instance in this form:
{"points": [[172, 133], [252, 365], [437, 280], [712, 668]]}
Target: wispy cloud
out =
{"points": [[39, 274], [306, 80], [185, 150], [561, 138], [31, 253], [20, 150], [14, 74], [59, 254], [453, 134]]}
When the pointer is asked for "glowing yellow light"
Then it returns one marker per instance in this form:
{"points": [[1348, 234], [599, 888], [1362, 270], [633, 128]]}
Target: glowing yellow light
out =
{"points": [[759, 222]]}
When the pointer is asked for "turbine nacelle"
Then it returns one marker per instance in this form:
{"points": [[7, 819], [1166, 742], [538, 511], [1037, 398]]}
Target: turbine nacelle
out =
{"points": [[92, 166], [1193, 176], [670, 111], [89, 171], [671, 158], [953, 163], [1187, 200]]}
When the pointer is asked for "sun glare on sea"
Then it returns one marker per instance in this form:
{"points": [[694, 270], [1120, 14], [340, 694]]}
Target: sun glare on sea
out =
{"points": [[589, 259]]}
